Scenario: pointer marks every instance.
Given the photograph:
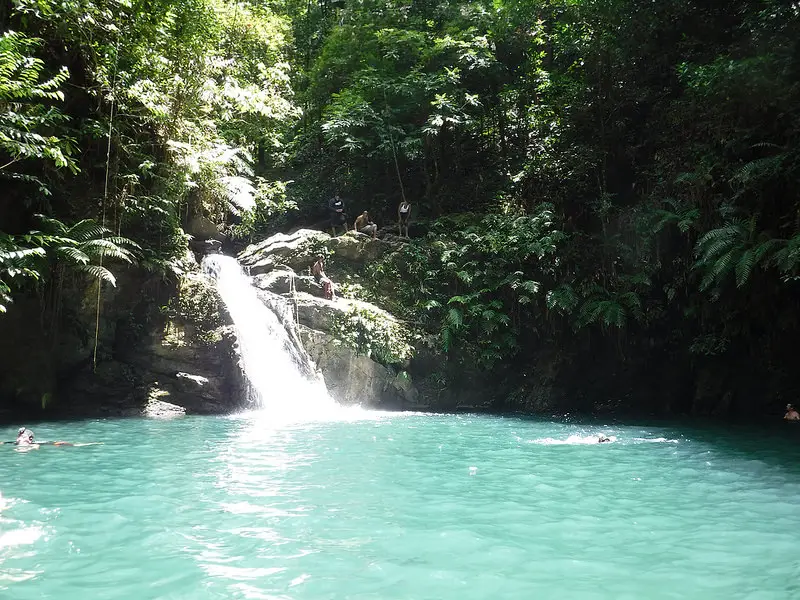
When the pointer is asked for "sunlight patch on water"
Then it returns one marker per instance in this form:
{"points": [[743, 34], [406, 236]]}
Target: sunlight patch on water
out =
{"points": [[396, 507]]}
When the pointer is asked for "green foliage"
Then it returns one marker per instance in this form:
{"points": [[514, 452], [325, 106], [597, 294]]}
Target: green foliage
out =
{"points": [[580, 172], [27, 117], [270, 210], [477, 279], [77, 246], [374, 335], [198, 305], [16, 262], [736, 248]]}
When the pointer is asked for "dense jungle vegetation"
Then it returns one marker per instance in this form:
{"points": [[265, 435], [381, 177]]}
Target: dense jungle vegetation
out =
{"points": [[606, 193]]}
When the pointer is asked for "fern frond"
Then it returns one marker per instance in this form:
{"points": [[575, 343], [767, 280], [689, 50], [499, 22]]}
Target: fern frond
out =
{"points": [[454, 318], [744, 267], [53, 225], [98, 272], [72, 255], [124, 242], [86, 230], [613, 314], [19, 256], [102, 247], [563, 299]]}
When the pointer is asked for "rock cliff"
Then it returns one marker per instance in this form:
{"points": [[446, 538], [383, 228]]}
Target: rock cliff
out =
{"points": [[363, 351]]}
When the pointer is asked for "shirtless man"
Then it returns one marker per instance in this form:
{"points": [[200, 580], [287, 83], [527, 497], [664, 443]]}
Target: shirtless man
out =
{"points": [[791, 414], [364, 225]]}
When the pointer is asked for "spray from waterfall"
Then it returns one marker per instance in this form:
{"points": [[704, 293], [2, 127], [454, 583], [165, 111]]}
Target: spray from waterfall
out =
{"points": [[277, 369]]}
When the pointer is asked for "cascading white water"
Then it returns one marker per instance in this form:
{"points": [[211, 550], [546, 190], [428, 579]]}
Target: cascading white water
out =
{"points": [[271, 361]]}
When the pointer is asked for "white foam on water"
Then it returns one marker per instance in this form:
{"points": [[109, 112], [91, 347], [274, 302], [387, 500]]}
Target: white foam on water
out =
{"points": [[573, 440]]}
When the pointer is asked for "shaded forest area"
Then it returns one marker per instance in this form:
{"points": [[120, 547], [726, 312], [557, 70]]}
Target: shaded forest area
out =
{"points": [[605, 194]]}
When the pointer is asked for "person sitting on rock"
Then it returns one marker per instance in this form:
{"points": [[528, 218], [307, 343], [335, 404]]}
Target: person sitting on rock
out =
{"points": [[338, 217], [791, 414], [403, 216], [364, 225], [318, 271]]}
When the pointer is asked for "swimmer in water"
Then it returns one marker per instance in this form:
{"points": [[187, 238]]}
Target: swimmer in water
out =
{"points": [[791, 414], [601, 439], [25, 439]]}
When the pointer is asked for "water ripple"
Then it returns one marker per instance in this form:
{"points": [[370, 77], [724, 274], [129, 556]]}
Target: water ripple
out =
{"points": [[399, 507]]}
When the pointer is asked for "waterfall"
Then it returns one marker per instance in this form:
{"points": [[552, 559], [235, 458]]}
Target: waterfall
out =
{"points": [[282, 378]]}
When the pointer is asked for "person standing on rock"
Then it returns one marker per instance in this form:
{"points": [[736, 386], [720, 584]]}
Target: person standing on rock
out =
{"points": [[403, 216], [364, 225], [318, 271], [338, 217]]}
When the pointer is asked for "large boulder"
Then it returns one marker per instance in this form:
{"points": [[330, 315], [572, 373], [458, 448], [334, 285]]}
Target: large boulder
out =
{"points": [[358, 248], [283, 280], [298, 250], [367, 329]]}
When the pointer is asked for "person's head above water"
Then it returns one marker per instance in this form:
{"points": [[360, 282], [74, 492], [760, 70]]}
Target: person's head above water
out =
{"points": [[24, 436], [789, 407]]}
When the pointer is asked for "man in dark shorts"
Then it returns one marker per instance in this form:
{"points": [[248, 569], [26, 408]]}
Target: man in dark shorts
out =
{"points": [[337, 214]]}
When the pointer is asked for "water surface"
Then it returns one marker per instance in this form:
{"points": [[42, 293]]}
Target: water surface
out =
{"points": [[393, 506]]}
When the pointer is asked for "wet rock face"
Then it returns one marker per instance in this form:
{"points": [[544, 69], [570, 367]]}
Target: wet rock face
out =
{"points": [[356, 379], [360, 348], [187, 363]]}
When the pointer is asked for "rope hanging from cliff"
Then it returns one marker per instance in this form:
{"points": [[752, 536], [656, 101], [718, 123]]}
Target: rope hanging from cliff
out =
{"points": [[394, 152], [293, 291], [105, 198]]}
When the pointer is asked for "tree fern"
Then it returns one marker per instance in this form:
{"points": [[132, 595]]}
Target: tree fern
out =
{"points": [[685, 218], [454, 318], [76, 246], [562, 299], [736, 247]]}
